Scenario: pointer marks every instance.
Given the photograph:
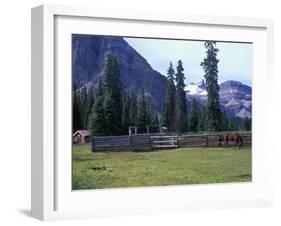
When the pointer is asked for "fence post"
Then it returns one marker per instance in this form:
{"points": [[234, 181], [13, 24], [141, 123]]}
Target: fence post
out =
{"points": [[92, 148], [130, 142], [207, 140], [149, 142]]}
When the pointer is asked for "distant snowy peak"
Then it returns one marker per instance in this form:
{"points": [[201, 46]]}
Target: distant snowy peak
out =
{"points": [[196, 88], [235, 97]]}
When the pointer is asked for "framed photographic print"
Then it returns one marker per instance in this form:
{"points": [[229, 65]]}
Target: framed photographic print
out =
{"points": [[136, 112]]}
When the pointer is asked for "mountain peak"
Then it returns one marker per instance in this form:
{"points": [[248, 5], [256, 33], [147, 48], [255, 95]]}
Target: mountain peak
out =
{"points": [[196, 88], [89, 54], [235, 97]]}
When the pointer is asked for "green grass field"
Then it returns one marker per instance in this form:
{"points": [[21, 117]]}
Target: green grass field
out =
{"points": [[158, 168]]}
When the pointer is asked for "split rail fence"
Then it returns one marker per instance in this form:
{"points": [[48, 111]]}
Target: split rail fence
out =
{"points": [[160, 141]]}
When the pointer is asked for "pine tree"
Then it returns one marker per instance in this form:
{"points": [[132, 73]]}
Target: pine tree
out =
{"points": [[225, 122], [193, 122], [113, 97], [203, 120], [170, 102], [232, 125], [246, 124], [210, 67], [155, 120], [97, 121], [88, 106], [142, 112], [83, 107], [181, 108], [76, 118], [126, 112], [149, 112], [133, 108], [164, 116]]}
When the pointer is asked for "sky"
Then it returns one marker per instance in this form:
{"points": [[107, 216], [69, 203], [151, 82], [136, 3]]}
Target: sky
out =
{"points": [[235, 59]]}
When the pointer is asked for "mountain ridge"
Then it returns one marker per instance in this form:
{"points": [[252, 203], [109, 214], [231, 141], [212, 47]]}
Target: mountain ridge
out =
{"points": [[89, 58], [235, 97]]}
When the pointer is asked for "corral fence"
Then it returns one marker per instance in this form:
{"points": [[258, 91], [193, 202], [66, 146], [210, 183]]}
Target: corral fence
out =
{"points": [[134, 143], [161, 141], [211, 140]]}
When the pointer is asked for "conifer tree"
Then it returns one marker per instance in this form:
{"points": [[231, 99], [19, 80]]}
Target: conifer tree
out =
{"points": [[170, 103], [210, 67], [193, 123], [203, 120], [164, 116], [181, 108], [142, 111], [83, 107], [246, 124], [155, 120], [112, 97], [88, 106], [149, 112], [97, 121], [225, 122], [126, 112], [76, 117], [232, 125], [133, 108]]}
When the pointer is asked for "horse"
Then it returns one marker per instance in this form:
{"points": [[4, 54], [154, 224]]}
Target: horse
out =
{"points": [[238, 142]]}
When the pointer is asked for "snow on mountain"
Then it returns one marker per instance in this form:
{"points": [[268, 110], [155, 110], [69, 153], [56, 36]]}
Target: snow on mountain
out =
{"points": [[235, 97], [196, 88]]}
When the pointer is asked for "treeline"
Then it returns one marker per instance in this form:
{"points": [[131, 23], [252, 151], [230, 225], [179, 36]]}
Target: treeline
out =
{"points": [[82, 103], [175, 115], [198, 120], [114, 108]]}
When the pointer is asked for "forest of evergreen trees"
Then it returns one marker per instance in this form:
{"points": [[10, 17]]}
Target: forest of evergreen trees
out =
{"points": [[114, 108]]}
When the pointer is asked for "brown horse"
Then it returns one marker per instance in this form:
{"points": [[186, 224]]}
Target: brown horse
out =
{"points": [[238, 142]]}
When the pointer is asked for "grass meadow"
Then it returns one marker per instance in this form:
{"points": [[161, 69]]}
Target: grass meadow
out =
{"points": [[159, 168]]}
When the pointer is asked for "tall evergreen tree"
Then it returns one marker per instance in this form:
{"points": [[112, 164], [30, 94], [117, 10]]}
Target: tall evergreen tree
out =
{"points": [[164, 116], [203, 119], [133, 108], [83, 107], [113, 96], [210, 67], [126, 112], [88, 106], [170, 103], [97, 121], [246, 124], [142, 111], [224, 122], [155, 120], [76, 117], [149, 112], [232, 125], [181, 108], [193, 122]]}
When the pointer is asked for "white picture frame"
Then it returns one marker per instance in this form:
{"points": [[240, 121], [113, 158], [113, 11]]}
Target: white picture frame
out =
{"points": [[52, 197]]}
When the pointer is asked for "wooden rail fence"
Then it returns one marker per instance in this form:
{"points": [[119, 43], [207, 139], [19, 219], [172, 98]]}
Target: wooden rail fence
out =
{"points": [[211, 140], [135, 142], [159, 141]]}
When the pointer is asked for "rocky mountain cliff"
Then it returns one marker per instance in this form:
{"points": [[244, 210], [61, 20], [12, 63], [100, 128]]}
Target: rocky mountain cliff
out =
{"points": [[235, 97], [88, 61]]}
